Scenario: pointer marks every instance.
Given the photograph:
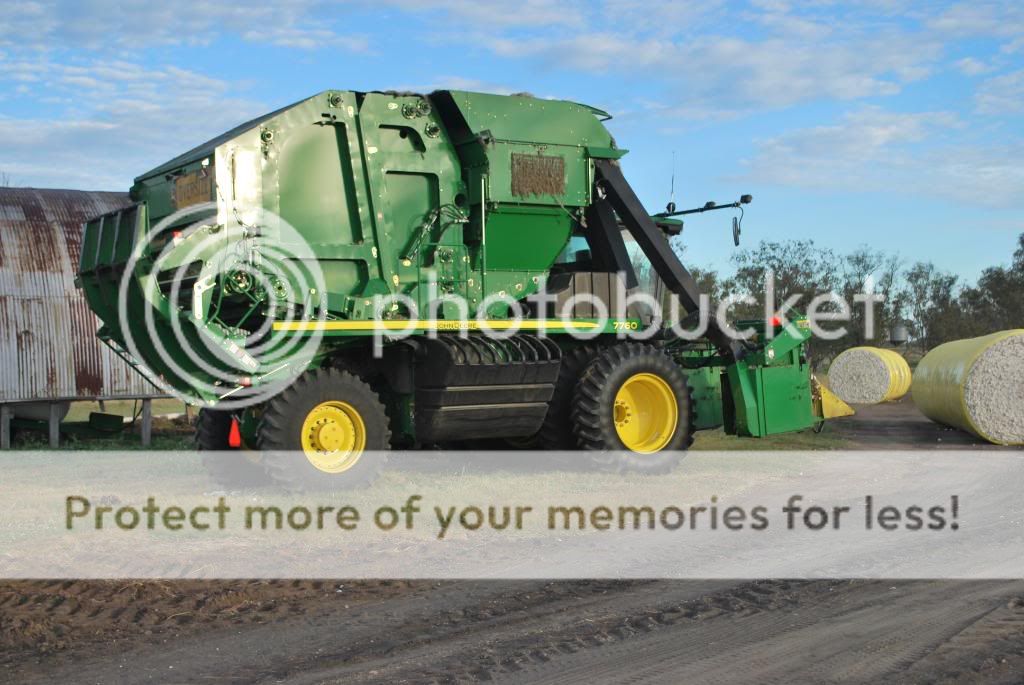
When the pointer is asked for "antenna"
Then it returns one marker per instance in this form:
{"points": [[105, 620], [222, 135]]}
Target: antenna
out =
{"points": [[672, 188]]}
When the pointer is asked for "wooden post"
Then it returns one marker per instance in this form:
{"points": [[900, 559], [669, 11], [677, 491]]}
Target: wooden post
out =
{"points": [[147, 422], [54, 425], [103, 406], [5, 427]]}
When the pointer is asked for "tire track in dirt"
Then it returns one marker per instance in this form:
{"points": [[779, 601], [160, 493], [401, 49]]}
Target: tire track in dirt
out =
{"points": [[991, 649], [432, 614], [596, 631], [48, 619], [855, 636], [556, 631], [621, 626]]}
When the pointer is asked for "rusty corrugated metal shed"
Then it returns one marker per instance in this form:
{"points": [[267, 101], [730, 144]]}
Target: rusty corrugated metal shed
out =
{"points": [[48, 344]]}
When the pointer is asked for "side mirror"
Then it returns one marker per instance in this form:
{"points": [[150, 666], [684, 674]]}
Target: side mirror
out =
{"points": [[736, 231]]}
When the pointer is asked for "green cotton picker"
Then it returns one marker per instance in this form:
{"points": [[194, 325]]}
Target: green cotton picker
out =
{"points": [[360, 271]]}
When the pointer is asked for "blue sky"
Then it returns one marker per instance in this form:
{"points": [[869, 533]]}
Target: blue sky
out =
{"points": [[889, 123]]}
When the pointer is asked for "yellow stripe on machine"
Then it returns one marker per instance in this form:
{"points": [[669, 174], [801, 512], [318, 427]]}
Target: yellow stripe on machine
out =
{"points": [[430, 324]]}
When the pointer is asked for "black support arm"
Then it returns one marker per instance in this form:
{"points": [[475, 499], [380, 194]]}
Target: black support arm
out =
{"points": [[653, 243], [605, 240]]}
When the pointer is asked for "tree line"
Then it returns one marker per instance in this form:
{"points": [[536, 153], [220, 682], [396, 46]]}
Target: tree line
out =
{"points": [[935, 305]]}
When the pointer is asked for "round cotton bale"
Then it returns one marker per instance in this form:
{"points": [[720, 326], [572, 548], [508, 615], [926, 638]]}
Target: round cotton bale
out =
{"points": [[976, 385], [869, 375]]}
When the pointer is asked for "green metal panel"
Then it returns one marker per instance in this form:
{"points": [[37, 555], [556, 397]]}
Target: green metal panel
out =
{"points": [[525, 239], [785, 399], [706, 385], [704, 375], [507, 167], [503, 135], [314, 181], [532, 120], [770, 390]]}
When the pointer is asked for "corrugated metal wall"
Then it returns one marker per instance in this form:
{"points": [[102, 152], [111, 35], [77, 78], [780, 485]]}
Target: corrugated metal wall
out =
{"points": [[48, 344]]}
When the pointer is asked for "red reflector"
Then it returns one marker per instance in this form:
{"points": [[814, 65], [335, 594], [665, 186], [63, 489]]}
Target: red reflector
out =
{"points": [[776, 321], [235, 435]]}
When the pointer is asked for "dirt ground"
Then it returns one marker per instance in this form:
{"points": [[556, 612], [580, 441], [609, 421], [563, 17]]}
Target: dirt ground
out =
{"points": [[899, 425], [527, 631]]}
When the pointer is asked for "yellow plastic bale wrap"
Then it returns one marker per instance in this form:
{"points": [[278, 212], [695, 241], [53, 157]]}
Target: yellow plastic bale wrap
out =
{"points": [[869, 375], [976, 385]]}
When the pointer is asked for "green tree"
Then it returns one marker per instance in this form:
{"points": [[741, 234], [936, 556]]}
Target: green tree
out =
{"points": [[932, 297], [792, 267], [798, 267], [866, 267], [996, 302]]}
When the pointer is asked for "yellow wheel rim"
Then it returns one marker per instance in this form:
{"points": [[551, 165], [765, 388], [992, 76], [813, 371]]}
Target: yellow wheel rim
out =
{"points": [[646, 413], [333, 436]]}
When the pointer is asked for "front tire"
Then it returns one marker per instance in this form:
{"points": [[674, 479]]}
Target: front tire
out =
{"points": [[327, 430], [633, 410]]}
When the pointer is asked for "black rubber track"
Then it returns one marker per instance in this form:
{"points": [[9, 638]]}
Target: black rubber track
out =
{"points": [[594, 399], [213, 429], [556, 432], [280, 426]]}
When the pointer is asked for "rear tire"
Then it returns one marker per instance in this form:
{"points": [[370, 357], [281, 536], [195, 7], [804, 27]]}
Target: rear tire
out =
{"points": [[213, 431], [632, 410], [328, 430], [556, 432]]}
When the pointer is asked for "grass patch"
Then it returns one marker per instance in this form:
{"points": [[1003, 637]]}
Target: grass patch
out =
{"points": [[80, 411], [804, 440], [176, 434]]}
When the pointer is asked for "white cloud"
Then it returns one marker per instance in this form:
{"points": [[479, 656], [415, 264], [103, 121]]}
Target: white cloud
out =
{"points": [[905, 153], [662, 18], [138, 24], [779, 72], [710, 61], [734, 72], [25, 23], [306, 39], [732, 57], [980, 18], [1013, 47], [778, 18], [597, 52], [460, 83], [108, 121], [487, 15], [864, 135], [971, 66], [1001, 95]]}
